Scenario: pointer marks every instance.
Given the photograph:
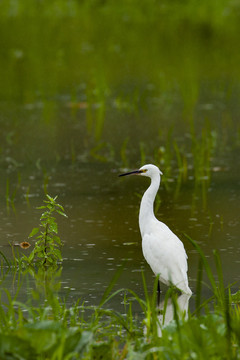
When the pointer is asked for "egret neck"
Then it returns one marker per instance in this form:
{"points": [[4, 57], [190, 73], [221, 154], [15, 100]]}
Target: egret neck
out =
{"points": [[146, 214]]}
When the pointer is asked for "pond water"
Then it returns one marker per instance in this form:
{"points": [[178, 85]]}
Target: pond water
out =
{"points": [[101, 230], [95, 89]]}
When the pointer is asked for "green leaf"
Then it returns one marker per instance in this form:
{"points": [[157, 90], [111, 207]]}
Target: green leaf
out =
{"points": [[236, 297], [6, 260], [58, 254], [31, 256], [61, 213], [42, 336], [77, 341], [34, 232], [205, 263], [53, 227], [52, 200], [57, 240], [102, 351], [13, 347], [40, 254], [110, 286]]}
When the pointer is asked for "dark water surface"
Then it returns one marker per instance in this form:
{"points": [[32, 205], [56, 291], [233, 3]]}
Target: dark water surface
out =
{"points": [[101, 230]]}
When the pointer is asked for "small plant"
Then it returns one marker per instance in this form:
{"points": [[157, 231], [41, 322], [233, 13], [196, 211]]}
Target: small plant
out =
{"points": [[47, 247], [10, 198]]}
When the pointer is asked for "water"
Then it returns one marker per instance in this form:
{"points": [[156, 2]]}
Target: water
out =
{"points": [[101, 230]]}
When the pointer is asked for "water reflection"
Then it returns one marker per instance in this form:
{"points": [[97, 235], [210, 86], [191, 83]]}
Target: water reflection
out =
{"points": [[171, 308], [47, 280]]}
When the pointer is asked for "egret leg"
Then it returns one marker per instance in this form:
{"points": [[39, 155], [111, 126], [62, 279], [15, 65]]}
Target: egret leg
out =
{"points": [[158, 295]]}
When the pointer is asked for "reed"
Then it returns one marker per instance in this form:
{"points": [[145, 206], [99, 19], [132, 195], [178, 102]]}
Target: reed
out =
{"points": [[52, 328]]}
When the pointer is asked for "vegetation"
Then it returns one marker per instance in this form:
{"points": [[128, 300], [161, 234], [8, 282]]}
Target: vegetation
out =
{"points": [[126, 83], [53, 331], [47, 247], [48, 329]]}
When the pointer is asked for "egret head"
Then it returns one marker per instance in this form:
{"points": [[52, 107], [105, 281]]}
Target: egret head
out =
{"points": [[148, 170]]}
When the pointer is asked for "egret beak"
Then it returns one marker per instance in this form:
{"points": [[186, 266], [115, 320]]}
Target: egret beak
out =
{"points": [[135, 172]]}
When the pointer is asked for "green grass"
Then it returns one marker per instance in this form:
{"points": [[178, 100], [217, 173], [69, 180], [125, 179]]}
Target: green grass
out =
{"points": [[52, 330]]}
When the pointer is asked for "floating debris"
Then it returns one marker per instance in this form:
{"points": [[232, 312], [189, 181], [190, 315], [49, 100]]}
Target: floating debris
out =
{"points": [[24, 245]]}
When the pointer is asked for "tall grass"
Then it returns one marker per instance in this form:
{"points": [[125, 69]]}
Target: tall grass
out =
{"points": [[56, 331]]}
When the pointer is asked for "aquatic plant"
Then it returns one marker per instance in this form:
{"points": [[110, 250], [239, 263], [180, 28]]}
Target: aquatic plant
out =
{"points": [[10, 198], [47, 247], [54, 331]]}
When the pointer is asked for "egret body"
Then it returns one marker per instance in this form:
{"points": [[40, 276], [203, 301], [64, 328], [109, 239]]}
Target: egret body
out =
{"points": [[162, 249]]}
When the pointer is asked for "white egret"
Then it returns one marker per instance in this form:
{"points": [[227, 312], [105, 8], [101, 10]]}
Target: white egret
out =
{"points": [[162, 249]]}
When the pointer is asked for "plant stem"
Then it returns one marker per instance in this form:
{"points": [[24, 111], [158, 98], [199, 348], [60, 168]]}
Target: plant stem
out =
{"points": [[45, 243]]}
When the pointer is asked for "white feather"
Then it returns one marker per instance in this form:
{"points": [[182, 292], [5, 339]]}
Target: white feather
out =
{"points": [[162, 249]]}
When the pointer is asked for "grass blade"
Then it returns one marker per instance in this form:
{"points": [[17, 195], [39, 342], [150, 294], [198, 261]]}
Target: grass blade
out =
{"points": [[205, 263], [111, 285], [199, 286], [6, 260]]}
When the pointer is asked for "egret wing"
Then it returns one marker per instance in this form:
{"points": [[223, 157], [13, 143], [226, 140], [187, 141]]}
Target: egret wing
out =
{"points": [[166, 255]]}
